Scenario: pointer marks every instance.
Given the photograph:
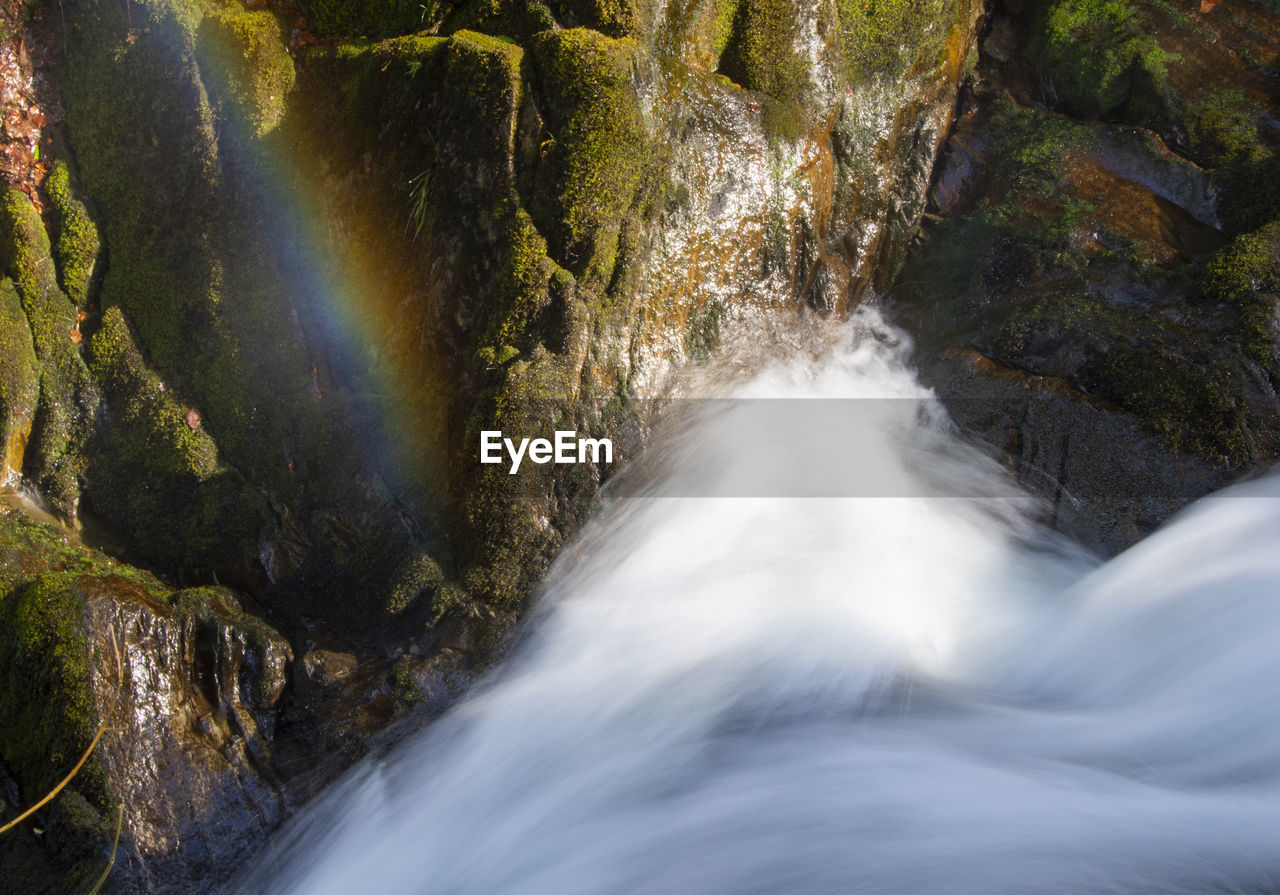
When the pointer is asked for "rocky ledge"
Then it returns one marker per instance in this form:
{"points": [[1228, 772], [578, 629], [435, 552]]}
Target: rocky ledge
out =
{"points": [[1094, 292]]}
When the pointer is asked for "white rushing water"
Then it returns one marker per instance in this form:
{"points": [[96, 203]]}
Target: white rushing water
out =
{"points": [[912, 695]]}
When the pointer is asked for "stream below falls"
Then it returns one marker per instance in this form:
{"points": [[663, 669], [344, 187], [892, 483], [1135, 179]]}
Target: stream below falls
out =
{"points": [[883, 694]]}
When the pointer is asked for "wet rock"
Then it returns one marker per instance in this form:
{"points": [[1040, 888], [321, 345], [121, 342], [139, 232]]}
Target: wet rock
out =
{"points": [[189, 689], [194, 699], [328, 668], [19, 384], [1104, 478]]}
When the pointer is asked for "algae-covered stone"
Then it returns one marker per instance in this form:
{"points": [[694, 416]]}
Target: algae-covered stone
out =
{"points": [[67, 398], [19, 381], [1104, 56], [244, 53], [1246, 275], [188, 261], [594, 161], [78, 246], [1080, 278], [415, 578], [47, 707], [762, 54], [886, 37], [25, 245]]}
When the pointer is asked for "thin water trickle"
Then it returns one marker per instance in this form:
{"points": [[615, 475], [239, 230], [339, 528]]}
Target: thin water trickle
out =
{"points": [[889, 695]]}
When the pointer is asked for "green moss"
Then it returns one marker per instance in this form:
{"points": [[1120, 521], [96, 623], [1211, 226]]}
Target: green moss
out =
{"points": [[726, 14], [66, 397], [47, 709], [189, 257], [508, 515], [519, 18], [447, 596], [523, 283], [1221, 128], [378, 18], [78, 246], [1193, 405], [151, 437], [19, 377], [590, 174], [47, 721], [417, 576], [616, 18], [29, 549], [882, 38], [1102, 58], [27, 255], [1246, 275], [1251, 197], [244, 53], [1028, 147], [46, 703], [404, 685], [194, 225], [761, 51]]}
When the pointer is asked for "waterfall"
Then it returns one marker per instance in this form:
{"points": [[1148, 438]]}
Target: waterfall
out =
{"points": [[863, 694]]}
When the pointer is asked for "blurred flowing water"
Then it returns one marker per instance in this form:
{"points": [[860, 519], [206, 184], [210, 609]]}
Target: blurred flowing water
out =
{"points": [[889, 694]]}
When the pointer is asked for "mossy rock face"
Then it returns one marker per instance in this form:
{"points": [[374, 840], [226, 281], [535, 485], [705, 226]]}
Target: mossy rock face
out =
{"points": [[593, 163], [518, 323], [1245, 275], [27, 255], [510, 517], [68, 399], [484, 148], [244, 53], [187, 262], [884, 38], [1042, 276], [19, 380], [48, 708], [1085, 264], [761, 51], [1104, 57], [48, 722], [417, 578], [375, 19], [616, 18], [78, 245], [187, 201], [186, 680], [1197, 78], [153, 455], [518, 19]]}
